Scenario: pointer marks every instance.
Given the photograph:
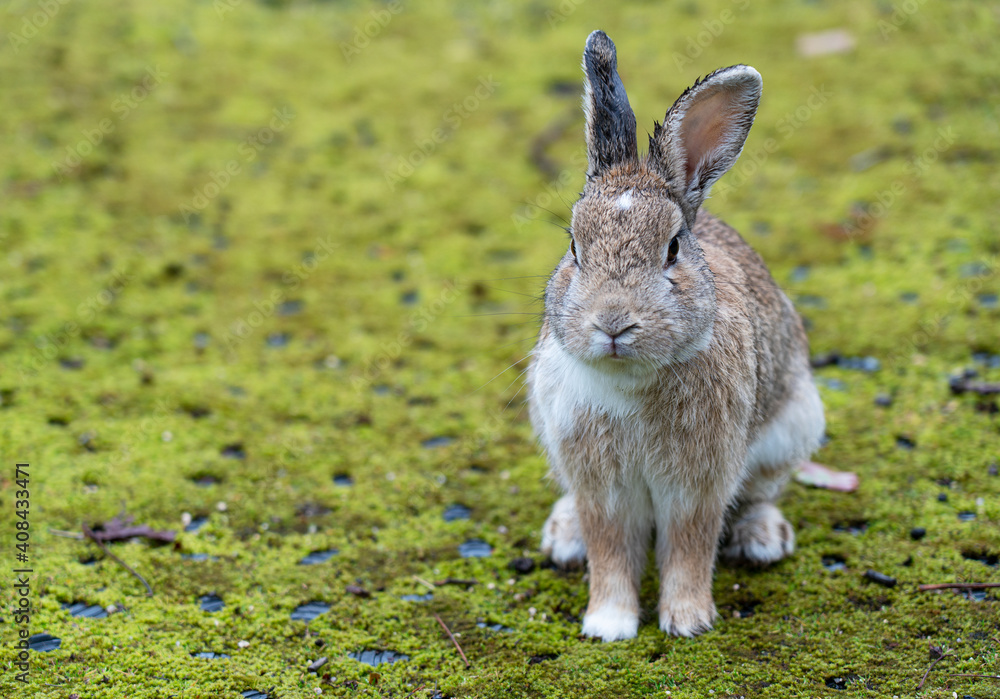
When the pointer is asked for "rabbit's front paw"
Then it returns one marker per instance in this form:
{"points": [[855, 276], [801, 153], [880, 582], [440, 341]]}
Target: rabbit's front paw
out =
{"points": [[679, 617], [562, 539], [611, 624], [760, 536]]}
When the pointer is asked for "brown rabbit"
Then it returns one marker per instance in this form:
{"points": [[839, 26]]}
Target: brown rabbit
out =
{"points": [[670, 386]]}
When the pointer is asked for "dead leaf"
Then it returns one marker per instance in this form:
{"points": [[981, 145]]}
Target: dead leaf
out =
{"points": [[120, 528]]}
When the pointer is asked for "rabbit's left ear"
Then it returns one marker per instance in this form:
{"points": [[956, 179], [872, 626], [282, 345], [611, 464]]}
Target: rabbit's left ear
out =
{"points": [[703, 133], [610, 120]]}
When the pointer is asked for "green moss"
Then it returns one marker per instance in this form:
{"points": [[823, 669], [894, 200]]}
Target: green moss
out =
{"points": [[418, 262]]}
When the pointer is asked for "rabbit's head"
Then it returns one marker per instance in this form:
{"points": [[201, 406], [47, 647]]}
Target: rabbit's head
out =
{"points": [[634, 292]]}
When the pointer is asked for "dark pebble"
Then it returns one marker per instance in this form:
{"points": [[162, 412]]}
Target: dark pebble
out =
{"points": [[205, 481], [196, 524], [974, 269], [883, 400], [834, 563], [918, 533], [209, 655], [201, 340], [866, 364], [342, 479], [810, 301], [475, 548], [43, 642], [87, 611], [832, 384], [253, 694], [987, 559], [312, 509], [904, 442], [278, 340], [909, 297], [435, 442], [198, 557], [289, 308], [942, 497], [357, 591], [409, 298], [417, 598], [823, 360], [377, 657], [522, 565], [836, 682], [500, 628], [234, 451], [908, 562], [309, 611], [989, 301], [966, 516], [994, 469], [535, 659], [72, 363], [318, 557], [456, 512], [211, 603], [880, 578], [853, 527]]}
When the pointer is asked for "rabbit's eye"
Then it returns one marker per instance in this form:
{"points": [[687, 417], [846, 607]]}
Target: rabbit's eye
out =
{"points": [[572, 247], [672, 251]]}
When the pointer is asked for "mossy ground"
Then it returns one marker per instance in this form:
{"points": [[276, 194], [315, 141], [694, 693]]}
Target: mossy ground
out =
{"points": [[140, 337]]}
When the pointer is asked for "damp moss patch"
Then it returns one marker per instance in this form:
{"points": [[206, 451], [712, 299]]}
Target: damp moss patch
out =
{"points": [[271, 274]]}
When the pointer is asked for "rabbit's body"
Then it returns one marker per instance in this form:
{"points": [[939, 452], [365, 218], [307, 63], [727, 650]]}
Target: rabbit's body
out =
{"points": [[670, 384]]}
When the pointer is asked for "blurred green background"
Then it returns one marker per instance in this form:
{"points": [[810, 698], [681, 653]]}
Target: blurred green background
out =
{"points": [[249, 247]]}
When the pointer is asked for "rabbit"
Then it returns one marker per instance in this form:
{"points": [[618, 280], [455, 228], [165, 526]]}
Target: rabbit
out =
{"points": [[670, 385]]}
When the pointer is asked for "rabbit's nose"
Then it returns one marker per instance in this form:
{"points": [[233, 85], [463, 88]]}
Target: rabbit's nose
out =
{"points": [[614, 326]]}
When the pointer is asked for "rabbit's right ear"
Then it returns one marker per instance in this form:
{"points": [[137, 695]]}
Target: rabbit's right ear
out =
{"points": [[610, 120], [703, 133]]}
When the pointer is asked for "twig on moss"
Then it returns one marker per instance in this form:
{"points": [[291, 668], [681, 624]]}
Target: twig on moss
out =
{"points": [[455, 581], [452, 637], [89, 533], [937, 655], [958, 586], [423, 582]]}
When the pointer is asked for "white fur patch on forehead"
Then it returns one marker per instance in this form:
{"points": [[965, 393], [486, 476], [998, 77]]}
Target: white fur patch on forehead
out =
{"points": [[624, 201]]}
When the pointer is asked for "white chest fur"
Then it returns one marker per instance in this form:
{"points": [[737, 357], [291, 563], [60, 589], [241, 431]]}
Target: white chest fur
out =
{"points": [[562, 387]]}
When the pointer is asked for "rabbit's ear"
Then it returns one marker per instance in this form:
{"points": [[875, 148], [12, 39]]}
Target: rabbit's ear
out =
{"points": [[703, 133], [610, 121]]}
